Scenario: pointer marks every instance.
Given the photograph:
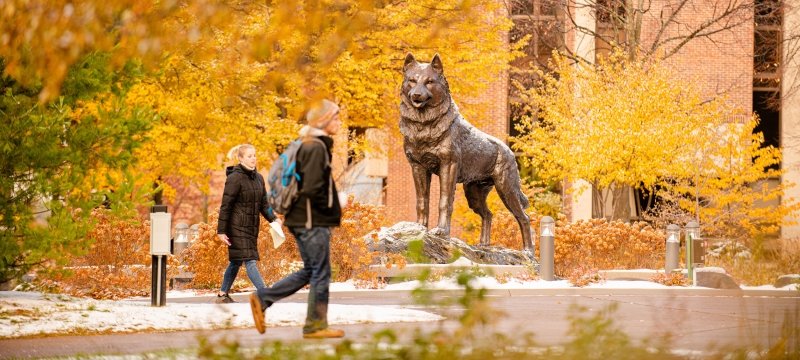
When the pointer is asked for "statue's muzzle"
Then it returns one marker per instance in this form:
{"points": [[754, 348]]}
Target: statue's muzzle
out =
{"points": [[418, 99]]}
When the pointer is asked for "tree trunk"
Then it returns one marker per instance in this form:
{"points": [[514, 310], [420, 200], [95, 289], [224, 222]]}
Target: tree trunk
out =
{"points": [[620, 205]]}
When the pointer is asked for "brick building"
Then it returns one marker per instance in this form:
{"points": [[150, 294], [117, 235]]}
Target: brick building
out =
{"points": [[741, 57]]}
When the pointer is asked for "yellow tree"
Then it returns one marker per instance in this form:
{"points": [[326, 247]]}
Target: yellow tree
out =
{"points": [[42, 38], [633, 123], [250, 81], [730, 186], [619, 123]]}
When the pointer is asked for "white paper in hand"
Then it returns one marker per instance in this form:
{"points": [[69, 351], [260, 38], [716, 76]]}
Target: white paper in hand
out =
{"points": [[277, 234]]}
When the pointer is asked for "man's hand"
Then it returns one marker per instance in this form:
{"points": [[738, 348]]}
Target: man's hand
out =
{"points": [[224, 239]]}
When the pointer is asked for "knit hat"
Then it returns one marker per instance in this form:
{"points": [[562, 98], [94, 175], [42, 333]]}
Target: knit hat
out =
{"points": [[321, 113]]}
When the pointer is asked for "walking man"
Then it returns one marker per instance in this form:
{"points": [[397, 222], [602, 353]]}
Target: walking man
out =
{"points": [[310, 220]]}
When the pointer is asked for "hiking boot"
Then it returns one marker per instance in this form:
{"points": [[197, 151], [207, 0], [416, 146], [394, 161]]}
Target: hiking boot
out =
{"points": [[258, 313], [324, 334], [224, 299]]}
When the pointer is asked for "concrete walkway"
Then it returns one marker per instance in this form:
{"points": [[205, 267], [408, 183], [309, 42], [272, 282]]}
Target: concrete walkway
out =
{"points": [[697, 319]]}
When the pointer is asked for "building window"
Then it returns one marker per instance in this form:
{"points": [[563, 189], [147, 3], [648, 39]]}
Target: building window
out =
{"points": [[610, 21], [541, 22], [767, 63], [767, 40]]}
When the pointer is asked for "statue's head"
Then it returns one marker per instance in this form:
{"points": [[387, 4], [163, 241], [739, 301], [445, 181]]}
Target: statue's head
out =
{"points": [[424, 84]]}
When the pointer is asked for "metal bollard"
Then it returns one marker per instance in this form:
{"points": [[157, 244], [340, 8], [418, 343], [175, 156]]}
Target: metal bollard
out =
{"points": [[194, 232], [547, 248], [673, 248], [181, 241], [692, 233]]}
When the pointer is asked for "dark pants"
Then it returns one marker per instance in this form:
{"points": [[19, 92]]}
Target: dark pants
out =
{"points": [[314, 245]]}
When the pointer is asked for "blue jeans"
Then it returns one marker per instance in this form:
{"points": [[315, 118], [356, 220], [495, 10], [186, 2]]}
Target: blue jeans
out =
{"points": [[233, 270], [314, 246]]}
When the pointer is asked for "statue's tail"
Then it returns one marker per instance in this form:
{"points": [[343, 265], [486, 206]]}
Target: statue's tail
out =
{"points": [[523, 199]]}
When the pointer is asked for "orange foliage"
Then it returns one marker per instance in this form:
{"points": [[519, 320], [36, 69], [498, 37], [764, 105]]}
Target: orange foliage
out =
{"points": [[350, 257], [600, 244], [673, 279], [117, 265]]}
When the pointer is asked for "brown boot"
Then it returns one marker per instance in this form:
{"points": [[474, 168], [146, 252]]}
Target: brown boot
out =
{"points": [[258, 313], [324, 334]]}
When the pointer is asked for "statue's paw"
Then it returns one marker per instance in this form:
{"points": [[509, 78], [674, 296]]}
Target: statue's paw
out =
{"points": [[437, 231]]}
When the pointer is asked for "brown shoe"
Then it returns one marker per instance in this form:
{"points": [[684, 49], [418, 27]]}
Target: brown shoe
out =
{"points": [[324, 334], [258, 313]]}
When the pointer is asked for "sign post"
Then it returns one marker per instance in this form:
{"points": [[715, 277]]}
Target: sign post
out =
{"points": [[160, 227]]}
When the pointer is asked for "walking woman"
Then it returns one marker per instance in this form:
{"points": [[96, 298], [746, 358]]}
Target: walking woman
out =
{"points": [[243, 200]]}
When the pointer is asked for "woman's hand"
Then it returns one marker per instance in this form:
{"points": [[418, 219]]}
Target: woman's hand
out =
{"points": [[224, 239]]}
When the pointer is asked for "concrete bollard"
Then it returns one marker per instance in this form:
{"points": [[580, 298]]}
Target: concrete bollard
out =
{"points": [[547, 248], [673, 248], [181, 241]]}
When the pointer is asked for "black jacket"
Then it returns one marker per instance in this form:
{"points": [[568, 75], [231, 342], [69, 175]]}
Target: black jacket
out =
{"points": [[314, 185], [243, 199]]}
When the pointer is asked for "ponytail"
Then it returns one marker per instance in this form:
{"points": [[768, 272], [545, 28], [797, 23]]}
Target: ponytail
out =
{"points": [[236, 152]]}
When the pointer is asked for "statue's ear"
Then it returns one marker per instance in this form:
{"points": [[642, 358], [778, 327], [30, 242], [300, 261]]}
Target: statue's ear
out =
{"points": [[409, 62], [436, 64]]}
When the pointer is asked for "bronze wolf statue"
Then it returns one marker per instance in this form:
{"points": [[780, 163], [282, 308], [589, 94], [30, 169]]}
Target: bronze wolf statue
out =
{"points": [[437, 140]]}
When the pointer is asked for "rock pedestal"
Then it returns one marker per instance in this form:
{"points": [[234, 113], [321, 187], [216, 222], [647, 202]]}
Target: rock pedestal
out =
{"points": [[439, 250]]}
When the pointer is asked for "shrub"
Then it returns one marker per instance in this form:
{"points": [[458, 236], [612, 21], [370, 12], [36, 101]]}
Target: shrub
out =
{"points": [[761, 267], [117, 264], [350, 258], [600, 244], [673, 279]]}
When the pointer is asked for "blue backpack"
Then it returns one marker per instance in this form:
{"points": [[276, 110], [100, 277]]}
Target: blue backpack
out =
{"points": [[283, 177]]}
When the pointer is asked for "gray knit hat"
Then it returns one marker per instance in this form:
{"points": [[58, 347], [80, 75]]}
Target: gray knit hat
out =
{"points": [[321, 113]]}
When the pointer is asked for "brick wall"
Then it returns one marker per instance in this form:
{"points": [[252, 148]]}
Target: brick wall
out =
{"points": [[721, 65]]}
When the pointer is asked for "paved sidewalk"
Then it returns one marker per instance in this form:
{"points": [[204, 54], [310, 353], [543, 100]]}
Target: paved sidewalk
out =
{"points": [[700, 319]]}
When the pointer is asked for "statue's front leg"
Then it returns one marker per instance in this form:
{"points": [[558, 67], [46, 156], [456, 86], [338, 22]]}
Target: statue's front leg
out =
{"points": [[447, 190], [422, 185]]}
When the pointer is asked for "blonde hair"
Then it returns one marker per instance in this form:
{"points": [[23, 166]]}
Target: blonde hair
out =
{"points": [[238, 151]]}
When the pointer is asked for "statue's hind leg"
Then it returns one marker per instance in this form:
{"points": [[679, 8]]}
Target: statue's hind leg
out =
{"points": [[476, 194], [516, 202]]}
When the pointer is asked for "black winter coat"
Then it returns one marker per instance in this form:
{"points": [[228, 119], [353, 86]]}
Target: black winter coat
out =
{"points": [[315, 185], [243, 199]]}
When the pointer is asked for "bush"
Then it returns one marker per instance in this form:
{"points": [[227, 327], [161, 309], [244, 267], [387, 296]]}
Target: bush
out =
{"points": [[207, 256], [761, 267], [117, 265], [600, 244], [350, 256]]}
